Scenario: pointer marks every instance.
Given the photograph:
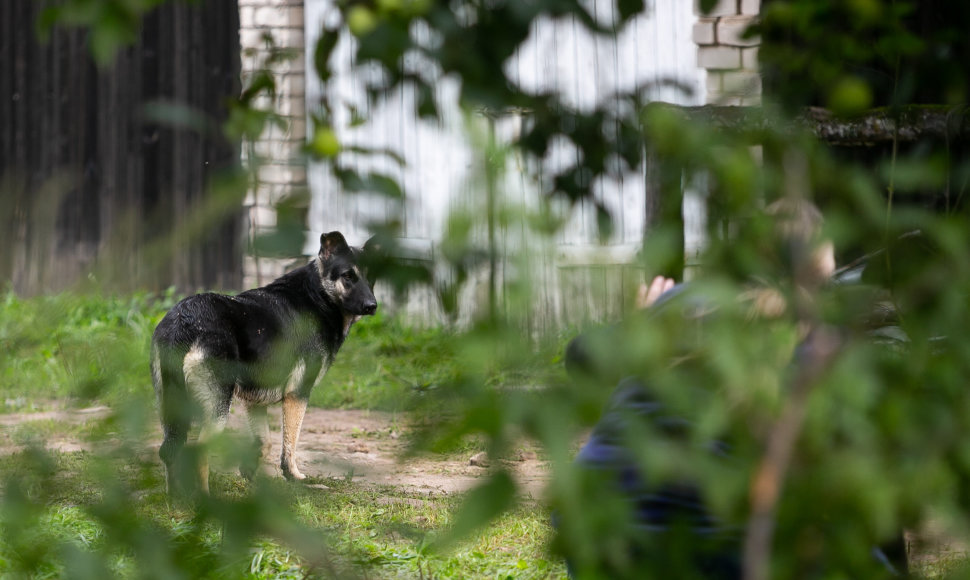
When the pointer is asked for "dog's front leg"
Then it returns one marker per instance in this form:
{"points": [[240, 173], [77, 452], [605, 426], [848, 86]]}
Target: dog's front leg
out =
{"points": [[294, 409], [296, 396]]}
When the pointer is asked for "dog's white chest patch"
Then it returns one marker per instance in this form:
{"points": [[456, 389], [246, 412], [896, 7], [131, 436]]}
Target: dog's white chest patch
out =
{"points": [[296, 379], [349, 320]]}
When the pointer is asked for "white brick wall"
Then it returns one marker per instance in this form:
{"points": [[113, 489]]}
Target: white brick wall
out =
{"points": [[749, 58], [730, 31], [279, 167], [719, 57], [750, 7], [730, 59], [705, 31], [722, 8], [731, 7], [743, 84]]}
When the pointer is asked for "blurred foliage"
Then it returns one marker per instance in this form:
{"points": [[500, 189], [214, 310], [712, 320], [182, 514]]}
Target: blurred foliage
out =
{"points": [[883, 446], [850, 55], [81, 515], [112, 24], [856, 480]]}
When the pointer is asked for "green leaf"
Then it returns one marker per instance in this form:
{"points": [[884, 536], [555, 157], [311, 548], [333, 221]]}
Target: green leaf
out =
{"points": [[106, 39], [48, 18], [321, 56], [261, 83], [604, 223], [177, 115], [354, 182], [851, 95], [629, 8], [385, 185], [707, 5], [482, 505]]}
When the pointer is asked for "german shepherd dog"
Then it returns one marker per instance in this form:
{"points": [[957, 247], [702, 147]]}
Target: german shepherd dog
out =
{"points": [[263, 346]]}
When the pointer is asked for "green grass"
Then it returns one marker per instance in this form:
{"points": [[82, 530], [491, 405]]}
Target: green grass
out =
{"points": [[72, 516], [38, 430], [87, 349], [75, 349], [105, 514], [384, 362], [84, 349]]}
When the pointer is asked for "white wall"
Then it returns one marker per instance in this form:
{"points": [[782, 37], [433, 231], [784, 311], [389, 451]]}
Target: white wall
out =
{"points": [[441, 171]]}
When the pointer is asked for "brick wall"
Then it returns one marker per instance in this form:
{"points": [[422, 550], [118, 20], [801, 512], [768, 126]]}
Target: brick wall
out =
{"points": [[730, 59], [271, 38]]}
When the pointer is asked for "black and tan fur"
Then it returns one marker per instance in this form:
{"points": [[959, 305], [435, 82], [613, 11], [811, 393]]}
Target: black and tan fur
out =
{"points": [[263, 346]]}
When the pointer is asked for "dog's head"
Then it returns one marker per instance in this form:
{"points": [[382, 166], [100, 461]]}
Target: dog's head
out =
{"points": [[343, 279]]}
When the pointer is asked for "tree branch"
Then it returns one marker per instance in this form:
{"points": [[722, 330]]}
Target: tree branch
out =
{"points": [[874, 127], [818, 351]]}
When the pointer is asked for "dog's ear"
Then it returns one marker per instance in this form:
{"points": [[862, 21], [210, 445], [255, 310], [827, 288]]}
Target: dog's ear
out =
{"points": [[332, 244]]}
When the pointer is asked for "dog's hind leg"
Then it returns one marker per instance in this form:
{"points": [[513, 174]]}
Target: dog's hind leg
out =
{"points": [[215, 398], [213, 424], [259, 433], [175, 432], [174, 413]]}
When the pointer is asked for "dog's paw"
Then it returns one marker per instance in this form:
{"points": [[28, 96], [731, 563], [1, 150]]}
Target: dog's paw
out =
{"points": [[248, 467], [253, 472], [292, 473], [248, 472]]}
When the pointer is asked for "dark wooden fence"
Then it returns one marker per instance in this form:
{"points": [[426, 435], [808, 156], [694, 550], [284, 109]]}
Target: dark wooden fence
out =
{"points": [[91, 188]]}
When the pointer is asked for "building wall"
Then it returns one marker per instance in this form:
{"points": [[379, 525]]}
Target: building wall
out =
{"points": [[576, 277], [730, 59], [440, 166], [271, 38]]}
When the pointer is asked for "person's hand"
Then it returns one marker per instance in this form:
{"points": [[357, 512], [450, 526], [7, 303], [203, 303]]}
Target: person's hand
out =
{"points": [[647, 295]]}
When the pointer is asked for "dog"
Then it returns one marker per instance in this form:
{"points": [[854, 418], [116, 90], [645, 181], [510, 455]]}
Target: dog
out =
{"points": [[262, 346]]}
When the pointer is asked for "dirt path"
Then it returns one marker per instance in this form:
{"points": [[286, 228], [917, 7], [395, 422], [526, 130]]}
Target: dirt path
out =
{"points": [[363, 445]]}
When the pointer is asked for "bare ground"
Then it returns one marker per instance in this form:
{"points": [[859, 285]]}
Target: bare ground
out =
{"points": [[365, 446]]}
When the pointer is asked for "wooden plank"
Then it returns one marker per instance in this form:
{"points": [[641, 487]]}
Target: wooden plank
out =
{"points": [[60, 118], [614, 296]]}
